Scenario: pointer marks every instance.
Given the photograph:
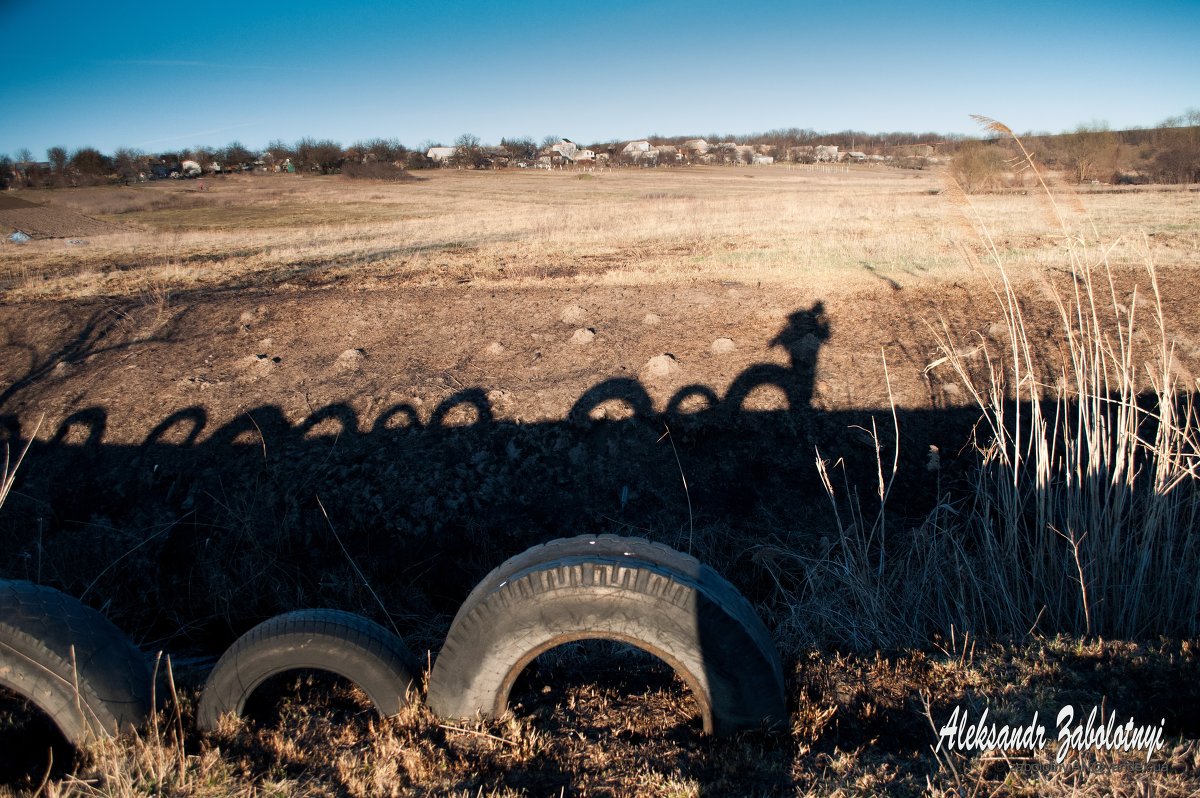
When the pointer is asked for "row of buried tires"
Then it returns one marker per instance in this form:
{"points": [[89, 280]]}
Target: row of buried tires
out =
{"points": [[90, 680]]}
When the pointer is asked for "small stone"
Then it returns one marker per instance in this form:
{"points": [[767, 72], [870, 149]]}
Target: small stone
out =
{"points": [[583, 336], [495, 349], [651, 319], [351, 359], [573, 314], [723, 346], [662, 367], [253, 367]]}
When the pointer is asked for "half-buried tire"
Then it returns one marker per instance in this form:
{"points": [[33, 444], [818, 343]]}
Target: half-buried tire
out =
{"points": [[690, 621], [337, 642], [632, 549], [71, 662]]}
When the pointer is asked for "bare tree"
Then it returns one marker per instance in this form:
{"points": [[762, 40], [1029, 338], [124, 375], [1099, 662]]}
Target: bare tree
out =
{"points": [[978, 166], [1090, 152], [321, 155], [130, 164], [90, 164], [378, 149], [236, 156], [1178, 156], [521, 147], [1189, 118], [57, 156], [467, 152]]}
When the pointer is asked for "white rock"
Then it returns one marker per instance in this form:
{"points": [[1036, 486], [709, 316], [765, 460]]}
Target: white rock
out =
{"points": [[351, 359], [723, 346], [573, 314], [583, 336], [661, 367]]}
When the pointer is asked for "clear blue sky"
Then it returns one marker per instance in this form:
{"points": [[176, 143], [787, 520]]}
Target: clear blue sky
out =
{"points": [[168, 75]]}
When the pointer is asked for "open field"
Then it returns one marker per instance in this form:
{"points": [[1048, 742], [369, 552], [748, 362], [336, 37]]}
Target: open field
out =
{"points": [[630, 227], [461, 366]]}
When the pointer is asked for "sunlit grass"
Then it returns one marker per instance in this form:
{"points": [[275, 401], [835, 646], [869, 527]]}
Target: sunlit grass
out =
{"points": [[629, 226]]}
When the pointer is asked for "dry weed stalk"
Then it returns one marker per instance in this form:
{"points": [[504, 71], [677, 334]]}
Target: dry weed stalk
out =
{"points": [[8, 473], [1084, 505]]}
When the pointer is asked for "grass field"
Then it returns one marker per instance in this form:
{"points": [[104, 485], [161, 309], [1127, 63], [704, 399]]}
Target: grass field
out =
{"points": [[627, 227], [208, 362]]}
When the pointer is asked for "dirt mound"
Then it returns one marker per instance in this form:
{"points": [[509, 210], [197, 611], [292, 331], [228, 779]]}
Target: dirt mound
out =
{"points": [[40, 221]]}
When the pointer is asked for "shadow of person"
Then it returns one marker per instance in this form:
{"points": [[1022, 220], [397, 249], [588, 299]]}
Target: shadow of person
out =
{"points": [[802, 337]]}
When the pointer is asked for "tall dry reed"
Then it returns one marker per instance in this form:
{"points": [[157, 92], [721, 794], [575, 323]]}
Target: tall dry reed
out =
{"points": [[1082, 509]]}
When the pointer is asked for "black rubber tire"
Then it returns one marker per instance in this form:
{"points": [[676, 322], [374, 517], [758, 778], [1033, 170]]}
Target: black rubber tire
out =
{"points": [[641, 550], [342, 643], [683, 621], [583, 545], [71, 662]]}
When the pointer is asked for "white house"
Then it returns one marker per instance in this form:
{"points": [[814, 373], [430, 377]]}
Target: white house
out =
{"points": [[668, 152], [826, 153], [572, 152], [441, 154]]}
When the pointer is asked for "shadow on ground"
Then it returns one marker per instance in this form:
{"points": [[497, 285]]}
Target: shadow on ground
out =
{"points": [[196, 534]]}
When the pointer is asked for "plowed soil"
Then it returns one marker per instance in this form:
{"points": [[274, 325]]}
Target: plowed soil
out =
{"points": [[38, 221]]}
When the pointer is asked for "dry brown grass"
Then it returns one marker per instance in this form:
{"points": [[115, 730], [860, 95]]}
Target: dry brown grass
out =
{"points": [[860, 726], [625, 227]]}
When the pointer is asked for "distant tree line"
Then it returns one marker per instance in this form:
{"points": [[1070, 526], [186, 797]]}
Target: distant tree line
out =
{"points": [[1169, 153]]}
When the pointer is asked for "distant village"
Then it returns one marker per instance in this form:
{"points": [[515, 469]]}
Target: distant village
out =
{"points": [[376, 157], [646, 153], [1158, 155]]}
